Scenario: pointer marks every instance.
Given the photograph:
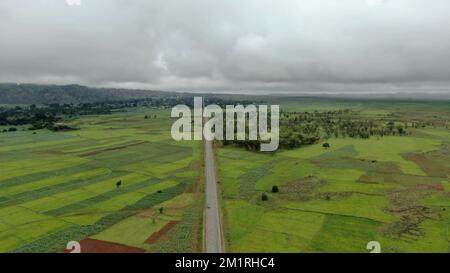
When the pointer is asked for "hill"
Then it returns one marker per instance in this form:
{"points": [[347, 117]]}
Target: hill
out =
{"points": [[40, 94]]}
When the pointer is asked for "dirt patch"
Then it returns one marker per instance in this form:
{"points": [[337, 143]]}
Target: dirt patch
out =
{"points": [[98, 246], [412, 180], [302, 190], [157, 235], [430, 167], [334, 195], [432, 187], [111, 149], [405, 206]]}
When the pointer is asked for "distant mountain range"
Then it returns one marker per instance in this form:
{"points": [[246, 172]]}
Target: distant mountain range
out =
{"points": [[11, 93], [40, 94]]}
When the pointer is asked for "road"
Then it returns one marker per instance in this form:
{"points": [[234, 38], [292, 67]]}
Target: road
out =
{"points": [[213, 227]]}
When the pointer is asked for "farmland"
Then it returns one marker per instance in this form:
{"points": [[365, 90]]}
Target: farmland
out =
{"points": [[118, 182], [391, 189], [57, 187]]}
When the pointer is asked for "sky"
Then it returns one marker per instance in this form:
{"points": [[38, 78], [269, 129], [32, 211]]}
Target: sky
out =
{"points": [[248, 46]]}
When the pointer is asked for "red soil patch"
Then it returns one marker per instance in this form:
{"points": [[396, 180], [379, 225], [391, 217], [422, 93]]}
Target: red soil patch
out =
{"points": [[98, 246], [111, 149], [434, 187], [157, 235]]}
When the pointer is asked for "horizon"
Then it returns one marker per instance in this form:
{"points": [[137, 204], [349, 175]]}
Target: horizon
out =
{"points": [[394, 95]]}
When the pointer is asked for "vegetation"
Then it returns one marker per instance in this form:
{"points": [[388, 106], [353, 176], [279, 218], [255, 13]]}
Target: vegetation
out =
{"points": [[307, 128], [56, 187], [70, 94], [392, 187], [264, 197], [85, 167]]}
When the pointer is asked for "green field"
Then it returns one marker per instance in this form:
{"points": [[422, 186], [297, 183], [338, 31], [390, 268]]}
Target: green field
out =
{"points": [[57, 187], [391, 189]]}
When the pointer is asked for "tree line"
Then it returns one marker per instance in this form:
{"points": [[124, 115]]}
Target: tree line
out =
{"points": [[306, 128], [51, 116]]}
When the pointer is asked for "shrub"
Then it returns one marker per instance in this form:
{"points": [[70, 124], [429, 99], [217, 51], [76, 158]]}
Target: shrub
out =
{"points": [[264, 197], [275, 189]]}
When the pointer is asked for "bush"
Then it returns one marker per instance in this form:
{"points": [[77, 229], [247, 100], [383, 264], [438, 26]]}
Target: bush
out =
{"points": [[264, 197], [275, 189], [326, 145], [60, 127]]}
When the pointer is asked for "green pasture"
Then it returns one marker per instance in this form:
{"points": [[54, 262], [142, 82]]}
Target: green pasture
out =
{"points": [[340, 198], [57, 187]]}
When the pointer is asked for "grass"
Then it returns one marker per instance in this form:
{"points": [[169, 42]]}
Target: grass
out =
{"points": [[59, 187], [339, 199], [357, 205], [133, 231], [56, 187]]}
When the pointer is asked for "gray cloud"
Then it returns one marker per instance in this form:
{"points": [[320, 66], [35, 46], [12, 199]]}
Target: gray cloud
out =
{"points": [[229, 45]]}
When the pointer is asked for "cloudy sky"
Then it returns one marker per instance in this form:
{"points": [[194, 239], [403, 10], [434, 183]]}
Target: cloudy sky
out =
{"points": [[229, 45]]}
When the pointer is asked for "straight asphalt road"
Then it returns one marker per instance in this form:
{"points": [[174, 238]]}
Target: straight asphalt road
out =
{"points": [[213, 227]]}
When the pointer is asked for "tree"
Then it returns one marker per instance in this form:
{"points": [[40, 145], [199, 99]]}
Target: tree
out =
{"points": [[161, 210], [326, 145], [400, 130], [264, 197], [275, 189]]}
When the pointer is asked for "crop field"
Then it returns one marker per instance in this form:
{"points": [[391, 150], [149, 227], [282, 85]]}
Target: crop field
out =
{"points": [[391, 189], [57, 187]]}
